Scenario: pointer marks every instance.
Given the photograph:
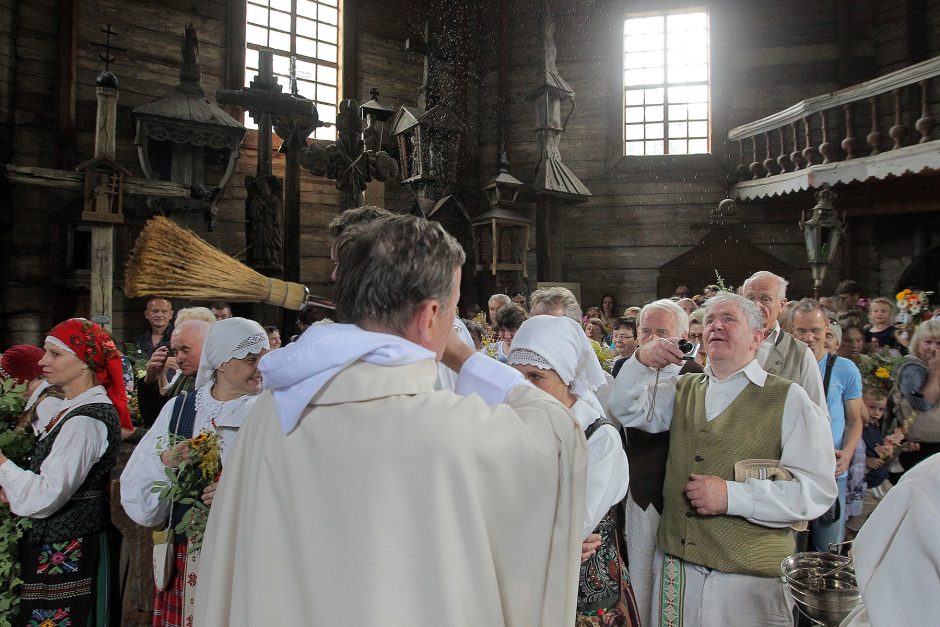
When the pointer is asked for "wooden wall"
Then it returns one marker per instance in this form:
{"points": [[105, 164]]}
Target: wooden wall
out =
{"points": [[54, 127]]}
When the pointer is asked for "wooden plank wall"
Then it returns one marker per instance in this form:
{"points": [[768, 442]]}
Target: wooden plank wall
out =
{"points": [[151, 33]]}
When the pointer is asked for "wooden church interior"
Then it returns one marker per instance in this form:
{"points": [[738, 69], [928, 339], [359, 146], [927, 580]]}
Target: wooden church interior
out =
{"points": [[619, 193], [544, 134]]}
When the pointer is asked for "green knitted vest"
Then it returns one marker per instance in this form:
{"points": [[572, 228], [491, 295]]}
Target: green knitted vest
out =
{"points": [[87, 511], [749, 428]]}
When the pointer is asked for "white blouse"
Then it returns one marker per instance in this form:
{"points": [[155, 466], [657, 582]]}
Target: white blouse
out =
{"points": [[608, 475], [81, 442], [145, 467]]}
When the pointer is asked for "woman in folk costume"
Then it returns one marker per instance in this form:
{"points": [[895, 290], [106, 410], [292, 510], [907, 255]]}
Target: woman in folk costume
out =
{"points": [[227, 384], [66, 556], [555, 355]]}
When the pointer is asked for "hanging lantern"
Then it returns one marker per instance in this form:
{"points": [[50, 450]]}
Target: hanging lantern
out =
{"points": [[822, 232]]}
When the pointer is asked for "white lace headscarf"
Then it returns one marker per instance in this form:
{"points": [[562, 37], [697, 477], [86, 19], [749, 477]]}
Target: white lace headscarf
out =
{"points": [[233, 338], [558, 343]]}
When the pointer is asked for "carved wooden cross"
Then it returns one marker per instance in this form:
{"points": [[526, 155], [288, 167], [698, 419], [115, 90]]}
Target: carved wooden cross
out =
{"points": [[293, 118], [347, 161]]}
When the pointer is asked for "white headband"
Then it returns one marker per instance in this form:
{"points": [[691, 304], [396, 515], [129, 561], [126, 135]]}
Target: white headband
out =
{"points": [[60, 344], [233, 338]]}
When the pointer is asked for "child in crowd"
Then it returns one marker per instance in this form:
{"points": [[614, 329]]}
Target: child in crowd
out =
{"points": [[875, 401], [880, 333]]}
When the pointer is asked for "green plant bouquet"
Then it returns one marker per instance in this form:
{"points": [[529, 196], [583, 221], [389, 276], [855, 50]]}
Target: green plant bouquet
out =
{"points": [[185, 484], [17, 444]]}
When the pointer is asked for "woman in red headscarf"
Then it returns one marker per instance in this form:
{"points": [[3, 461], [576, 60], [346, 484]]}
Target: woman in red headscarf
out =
{"points": [[65, 556]]}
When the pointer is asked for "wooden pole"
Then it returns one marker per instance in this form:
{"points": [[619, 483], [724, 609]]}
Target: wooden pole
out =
{"points": [[102, 235]]}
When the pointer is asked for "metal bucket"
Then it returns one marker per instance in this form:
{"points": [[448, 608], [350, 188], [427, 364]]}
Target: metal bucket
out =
{"points": [[823, 585]]}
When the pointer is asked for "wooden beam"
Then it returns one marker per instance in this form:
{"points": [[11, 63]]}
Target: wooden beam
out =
{"points": [[66, 180]]}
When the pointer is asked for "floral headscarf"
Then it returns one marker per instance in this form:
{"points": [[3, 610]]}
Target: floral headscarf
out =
{"points": [[92, 344]]}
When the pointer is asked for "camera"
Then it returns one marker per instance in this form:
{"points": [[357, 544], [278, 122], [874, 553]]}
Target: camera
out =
{"points": [[689, 349]]}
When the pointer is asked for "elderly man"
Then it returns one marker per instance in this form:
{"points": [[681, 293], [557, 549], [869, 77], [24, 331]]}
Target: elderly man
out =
{"points": [[720, 542], [399, 504], [842, 383], [647, 454], [159, 315], [186, 344], [555, 301], [495, 303], [780, 353]]}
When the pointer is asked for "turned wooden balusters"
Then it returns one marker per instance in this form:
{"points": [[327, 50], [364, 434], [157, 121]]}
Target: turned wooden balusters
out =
{"points": [[926, 122], [874, 137], [826, 149], [810, 152], [797, 155], [770, 164], [783, 160], [742, 166], [848, 144], [756, 167], [898, 131]]}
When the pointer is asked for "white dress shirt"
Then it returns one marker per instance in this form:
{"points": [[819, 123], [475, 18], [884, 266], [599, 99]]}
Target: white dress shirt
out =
{"points": [[805, 440], [81, 442], [811, 380], [145, 466], [608, 475]]}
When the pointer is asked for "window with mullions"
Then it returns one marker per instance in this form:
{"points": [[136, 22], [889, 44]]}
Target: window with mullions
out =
{"points": [[307, 30], [665, 84]]}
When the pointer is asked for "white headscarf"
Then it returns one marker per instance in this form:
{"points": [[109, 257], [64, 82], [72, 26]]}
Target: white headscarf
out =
{"points": [[233, 338], [558, 343]]}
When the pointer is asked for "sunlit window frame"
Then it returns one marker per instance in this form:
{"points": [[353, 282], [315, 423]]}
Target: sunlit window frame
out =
{"points": [[664, 85], [326, 109]]}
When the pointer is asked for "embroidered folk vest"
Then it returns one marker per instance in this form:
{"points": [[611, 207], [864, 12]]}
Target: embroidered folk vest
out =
{"points": [[599, 581], [87, 512], [749, 428]]}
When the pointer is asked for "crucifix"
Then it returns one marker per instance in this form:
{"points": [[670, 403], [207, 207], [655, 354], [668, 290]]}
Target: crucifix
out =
{"points": [[293, 118], [104, 182]]}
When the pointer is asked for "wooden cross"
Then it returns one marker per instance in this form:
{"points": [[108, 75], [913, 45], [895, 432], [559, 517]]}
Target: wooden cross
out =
{"points": [[347, 161], [102, 262], [293, 118]]}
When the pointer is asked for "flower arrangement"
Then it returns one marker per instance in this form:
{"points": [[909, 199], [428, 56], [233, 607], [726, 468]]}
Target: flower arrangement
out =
{"points": [[878, 368], [604, 355], [17, 444], [914, 304], [185, 484]]}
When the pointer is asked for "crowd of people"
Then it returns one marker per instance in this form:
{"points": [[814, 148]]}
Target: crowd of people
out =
{"points": [[538, 464]]}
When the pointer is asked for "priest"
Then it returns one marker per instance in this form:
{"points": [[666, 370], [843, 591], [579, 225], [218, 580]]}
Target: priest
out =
{"points": [[359, 494]]}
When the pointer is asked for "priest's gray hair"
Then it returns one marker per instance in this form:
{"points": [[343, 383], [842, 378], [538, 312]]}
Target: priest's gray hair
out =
{"points": [[763, 274], [681, 318], [549, 300], [752, 313], [388, 267]]}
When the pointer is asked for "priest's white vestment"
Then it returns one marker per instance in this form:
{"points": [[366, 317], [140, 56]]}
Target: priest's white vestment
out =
{"points": [[392, 504]]}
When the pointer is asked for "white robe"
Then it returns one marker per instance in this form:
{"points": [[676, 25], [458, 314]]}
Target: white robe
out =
{"points": [[608, 475], [394, 505], [897, 553]]}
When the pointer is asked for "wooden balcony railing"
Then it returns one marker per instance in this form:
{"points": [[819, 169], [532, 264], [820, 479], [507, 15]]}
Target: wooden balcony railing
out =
{"points": [[826, 128]]}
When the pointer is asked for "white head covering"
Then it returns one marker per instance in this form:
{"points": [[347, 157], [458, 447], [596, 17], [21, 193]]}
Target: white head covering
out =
{"points": [[233, 338], [558, 343]]}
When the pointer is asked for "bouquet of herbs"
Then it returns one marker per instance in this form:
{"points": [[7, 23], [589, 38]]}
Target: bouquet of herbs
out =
{"points": [[878, 369], [17, 444], [185, 484]]}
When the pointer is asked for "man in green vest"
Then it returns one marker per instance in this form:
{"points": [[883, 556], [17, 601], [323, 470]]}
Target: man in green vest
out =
{"points": [[780, 353], [720, 541]]}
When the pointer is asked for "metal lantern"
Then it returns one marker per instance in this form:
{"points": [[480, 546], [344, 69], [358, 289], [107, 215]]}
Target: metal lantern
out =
{"points": [[374, 113], [182, 135], [501, 235], [822, 232]]}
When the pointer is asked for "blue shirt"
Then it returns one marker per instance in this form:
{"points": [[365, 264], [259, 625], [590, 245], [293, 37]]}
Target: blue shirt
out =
{"points": [[872, 436], [845, 384]]}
